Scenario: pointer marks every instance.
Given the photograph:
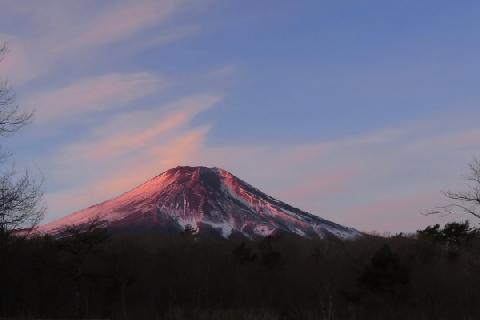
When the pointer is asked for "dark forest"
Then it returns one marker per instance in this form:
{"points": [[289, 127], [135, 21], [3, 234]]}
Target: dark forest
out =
{"points": [[88, 273]]}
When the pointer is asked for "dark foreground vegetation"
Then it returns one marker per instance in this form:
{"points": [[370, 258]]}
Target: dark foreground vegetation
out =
{"points": [[434, 274]]}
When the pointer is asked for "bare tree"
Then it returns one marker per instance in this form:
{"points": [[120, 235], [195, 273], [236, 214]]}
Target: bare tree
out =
{"points": [[466, 201], [20, 195], [12, 118], [20, 202]]}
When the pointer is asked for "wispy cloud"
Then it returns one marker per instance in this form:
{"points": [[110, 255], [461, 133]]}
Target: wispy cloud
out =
{"points": [[140, 129], [118, 23], [93, 95], [168, 36], [69, 31], [15, 64]]}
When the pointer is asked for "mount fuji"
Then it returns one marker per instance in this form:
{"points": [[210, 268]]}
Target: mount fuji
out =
{"points": [[204, 200]]}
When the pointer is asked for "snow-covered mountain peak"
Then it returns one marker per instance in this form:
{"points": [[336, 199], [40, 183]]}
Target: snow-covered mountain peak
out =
{"points": [[206, 199]]}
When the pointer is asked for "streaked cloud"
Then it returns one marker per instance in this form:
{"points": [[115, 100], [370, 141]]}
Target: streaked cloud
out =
{"points": [[169, 36], [140, 129], [118, 23], [15, 64], [93, 95], [70, 31]]}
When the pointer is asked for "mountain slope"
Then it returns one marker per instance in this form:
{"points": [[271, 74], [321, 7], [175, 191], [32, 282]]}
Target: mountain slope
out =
{"points": [[207, 199]]}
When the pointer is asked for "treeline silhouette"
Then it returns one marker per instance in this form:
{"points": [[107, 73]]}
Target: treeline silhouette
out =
{"points": [[434, 274]]}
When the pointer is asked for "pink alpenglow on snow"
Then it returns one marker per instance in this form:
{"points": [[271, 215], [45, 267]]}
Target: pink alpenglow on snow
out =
{"points": [[210, 200]]}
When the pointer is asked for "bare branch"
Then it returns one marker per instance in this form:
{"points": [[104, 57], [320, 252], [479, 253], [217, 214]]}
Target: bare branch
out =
{"points": [[468, 201], [11, 118], [3, 50]]}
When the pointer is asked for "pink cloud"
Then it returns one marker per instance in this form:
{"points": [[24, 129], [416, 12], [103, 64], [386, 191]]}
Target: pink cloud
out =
{"points": [[69, 31], [140, 129], [452, 140], [166, 37], [93, 95], [323, 183], [121, 143], [406, 212], [183, 150], [119, 22], [15, 65]]}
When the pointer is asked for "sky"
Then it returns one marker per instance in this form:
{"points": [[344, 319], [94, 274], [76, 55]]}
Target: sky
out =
{"points": [[361, 112]]}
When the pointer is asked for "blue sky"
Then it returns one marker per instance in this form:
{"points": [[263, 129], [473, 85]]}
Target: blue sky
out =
{"points": [[361, 112]]}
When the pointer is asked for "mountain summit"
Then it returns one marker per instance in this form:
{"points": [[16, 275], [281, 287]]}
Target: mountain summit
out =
{"points": [[207, 200]]}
